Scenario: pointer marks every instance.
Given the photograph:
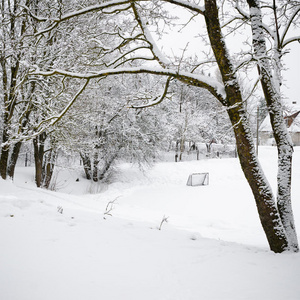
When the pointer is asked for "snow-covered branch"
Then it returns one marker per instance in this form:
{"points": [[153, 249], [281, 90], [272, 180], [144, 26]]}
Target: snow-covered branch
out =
{"points": [[286, 29], [156, 100], [159, 57], [121, 4], [212, 85], [55, 119], [191, 6], [291, 40]]}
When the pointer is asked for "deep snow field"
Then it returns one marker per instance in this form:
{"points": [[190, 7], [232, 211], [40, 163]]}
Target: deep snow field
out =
{"points": [[91, 241]]}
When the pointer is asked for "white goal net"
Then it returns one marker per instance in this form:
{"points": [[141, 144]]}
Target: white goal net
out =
{"points": [[196, 179]]}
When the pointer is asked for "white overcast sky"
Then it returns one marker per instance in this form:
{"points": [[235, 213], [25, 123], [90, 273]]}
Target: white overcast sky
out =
{"points": [[292, 75], [175, 42]]}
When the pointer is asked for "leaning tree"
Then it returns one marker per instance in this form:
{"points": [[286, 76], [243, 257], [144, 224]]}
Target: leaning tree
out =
{"points": [[133, 28]]}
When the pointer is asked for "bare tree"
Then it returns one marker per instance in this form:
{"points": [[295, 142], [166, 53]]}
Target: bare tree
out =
{"points": [[22, 99]]}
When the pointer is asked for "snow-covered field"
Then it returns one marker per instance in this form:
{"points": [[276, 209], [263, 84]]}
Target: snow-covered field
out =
{"points": [[61, 245]]}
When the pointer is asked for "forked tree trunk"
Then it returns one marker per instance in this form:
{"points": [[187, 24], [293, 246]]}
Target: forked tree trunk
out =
{"points": [[281, 135], [265, 202]]}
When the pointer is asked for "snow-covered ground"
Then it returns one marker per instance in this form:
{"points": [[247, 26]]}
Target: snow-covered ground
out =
{"points": [[61, 245]]}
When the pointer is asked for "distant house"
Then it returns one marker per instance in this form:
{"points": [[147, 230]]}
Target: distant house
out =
{"points": [[293, 124]]}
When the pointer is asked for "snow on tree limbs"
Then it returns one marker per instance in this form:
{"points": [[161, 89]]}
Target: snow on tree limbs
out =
{"points": [[277, 222]]}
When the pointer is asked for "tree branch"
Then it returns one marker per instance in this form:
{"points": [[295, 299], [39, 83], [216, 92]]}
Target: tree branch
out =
{"points": [[213, 86], [157, 100], [284, 43], [159, 57], [65, 110]]}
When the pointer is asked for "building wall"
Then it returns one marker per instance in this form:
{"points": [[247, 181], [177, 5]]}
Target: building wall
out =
{"points": [[266, 138], [295, 138]]}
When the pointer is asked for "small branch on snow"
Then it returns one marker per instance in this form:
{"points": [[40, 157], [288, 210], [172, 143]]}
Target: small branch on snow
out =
{"points": [[60, 209], [164, 220], [109, 208]]}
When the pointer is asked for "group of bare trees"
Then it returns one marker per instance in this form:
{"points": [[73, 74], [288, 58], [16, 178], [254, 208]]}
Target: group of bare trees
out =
{"points": [[51, 53], [25, 102]]}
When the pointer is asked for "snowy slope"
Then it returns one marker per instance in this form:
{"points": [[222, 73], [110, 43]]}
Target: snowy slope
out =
{"points": [[57, 245]]}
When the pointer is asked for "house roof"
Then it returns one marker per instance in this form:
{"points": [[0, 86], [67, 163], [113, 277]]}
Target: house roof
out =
{"points": [[293, 122]]}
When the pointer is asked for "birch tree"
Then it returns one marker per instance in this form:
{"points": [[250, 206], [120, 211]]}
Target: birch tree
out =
{"points": [[134, 25]]}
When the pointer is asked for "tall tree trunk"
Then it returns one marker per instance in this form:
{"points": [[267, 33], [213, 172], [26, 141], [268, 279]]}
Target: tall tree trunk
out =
{"points": [[87, 166], [38, 148], [95, 166], [17, 147], [4, 155], [48, 167], [265, 202], [107, 166], [5, 134], [283, 140], [13, 159], [10, 65]]}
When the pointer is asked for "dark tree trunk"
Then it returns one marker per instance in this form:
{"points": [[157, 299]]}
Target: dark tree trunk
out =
{"points": [[95, 167], [265, 201], [11, 78], [177, 150], [107, 166], [48, 172], [182, 147], [13, 159], [4, 155], [9, 82], [4, 161], [87, 166], [38, 147], [261, 190], [48, 168], [17, 147]]}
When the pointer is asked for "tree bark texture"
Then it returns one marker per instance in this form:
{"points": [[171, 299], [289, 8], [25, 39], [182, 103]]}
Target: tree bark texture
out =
{"points": [[13, 159], [87, 166], [48, 167], [39, 147], [283, 140], [10, 65], [95, 166], [107, 166], [265, 202], [4, 155]]}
